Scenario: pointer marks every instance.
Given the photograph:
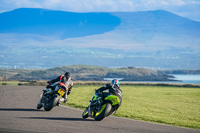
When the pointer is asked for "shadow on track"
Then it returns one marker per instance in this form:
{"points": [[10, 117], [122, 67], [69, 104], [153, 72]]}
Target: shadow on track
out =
{"points": [[57, 118], [18, 109]]}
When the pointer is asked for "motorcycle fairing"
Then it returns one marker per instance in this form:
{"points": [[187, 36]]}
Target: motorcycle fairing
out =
{"points": [[113, 98]]}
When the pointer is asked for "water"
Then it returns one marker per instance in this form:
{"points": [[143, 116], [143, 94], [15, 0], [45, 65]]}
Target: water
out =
{"points": [[189, 79], [182, 78]]}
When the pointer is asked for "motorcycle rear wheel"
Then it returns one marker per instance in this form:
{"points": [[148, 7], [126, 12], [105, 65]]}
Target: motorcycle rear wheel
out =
{"points": [[103, 112], [52, 103]]}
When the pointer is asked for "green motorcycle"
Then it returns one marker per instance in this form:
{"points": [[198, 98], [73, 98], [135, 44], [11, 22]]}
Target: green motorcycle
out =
{"points": [[101, 106]]}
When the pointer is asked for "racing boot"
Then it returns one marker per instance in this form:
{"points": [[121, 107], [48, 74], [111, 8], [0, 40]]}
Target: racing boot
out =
{"points": [[65, 99], [59, 102]]}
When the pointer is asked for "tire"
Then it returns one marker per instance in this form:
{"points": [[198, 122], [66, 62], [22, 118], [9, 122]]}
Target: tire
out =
{"points": [[52, 103], [105, 109], [110, 113], [85, 114], [39, 106]]}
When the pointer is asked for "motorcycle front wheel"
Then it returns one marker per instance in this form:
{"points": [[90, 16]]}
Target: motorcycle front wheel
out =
{"points": [[52, 103], [103, 112], [39, 106], [85, 114]]}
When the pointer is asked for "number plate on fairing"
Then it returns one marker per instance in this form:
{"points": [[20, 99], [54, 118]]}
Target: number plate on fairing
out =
{"points": [[61, 92]]}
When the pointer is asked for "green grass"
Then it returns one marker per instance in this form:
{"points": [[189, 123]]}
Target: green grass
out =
{"points": [[179, 106], [12, 83]]}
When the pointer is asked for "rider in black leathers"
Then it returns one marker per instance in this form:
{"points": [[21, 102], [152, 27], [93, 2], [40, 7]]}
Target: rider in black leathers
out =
{"points": [[113, 89], [63, 81]]}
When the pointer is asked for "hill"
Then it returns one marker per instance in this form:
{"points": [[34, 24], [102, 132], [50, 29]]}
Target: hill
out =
{"points": [[150, 39], [85, 73]]}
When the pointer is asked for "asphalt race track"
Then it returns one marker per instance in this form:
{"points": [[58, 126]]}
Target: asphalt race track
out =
{"points": [[18, 114]]}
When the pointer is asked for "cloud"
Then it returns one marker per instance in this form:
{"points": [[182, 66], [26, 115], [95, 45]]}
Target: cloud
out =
{"points": [[90, 5], [191, 11], [187, 8]]}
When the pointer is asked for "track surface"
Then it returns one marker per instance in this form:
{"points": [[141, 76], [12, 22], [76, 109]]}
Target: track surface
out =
{"points": [[18, 114]]}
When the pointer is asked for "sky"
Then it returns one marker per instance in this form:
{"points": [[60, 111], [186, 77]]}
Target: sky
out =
{"points": [[185, 8]]}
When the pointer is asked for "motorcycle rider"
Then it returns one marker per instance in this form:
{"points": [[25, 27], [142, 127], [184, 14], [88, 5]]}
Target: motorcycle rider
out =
{"points": [[113, 89], [63, 81]]}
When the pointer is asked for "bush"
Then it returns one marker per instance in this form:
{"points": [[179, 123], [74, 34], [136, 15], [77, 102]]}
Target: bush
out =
{"points": [[4, 83]]}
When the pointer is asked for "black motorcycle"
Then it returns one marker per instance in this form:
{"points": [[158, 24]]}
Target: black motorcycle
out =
{"points": [[51, 97]]}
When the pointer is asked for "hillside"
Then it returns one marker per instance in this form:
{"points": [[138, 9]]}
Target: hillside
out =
{"points": [[85, 73], [148, 39]]}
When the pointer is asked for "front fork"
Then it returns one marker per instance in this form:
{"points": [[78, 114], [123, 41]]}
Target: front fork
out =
{"points": [[94, 106], [44, 99]]}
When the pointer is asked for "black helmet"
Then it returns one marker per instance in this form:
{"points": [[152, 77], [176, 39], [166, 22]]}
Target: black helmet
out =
{"points": [[67, 75]]}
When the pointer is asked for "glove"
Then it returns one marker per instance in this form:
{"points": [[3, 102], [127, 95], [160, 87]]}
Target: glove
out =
{"points": [[97, 91], [49, 82]]}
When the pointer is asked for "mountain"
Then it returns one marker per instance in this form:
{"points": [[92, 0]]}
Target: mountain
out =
{"points": [[40, 38], [56, 23]]}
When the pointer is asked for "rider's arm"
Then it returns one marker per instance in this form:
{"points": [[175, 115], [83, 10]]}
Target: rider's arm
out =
{"points": [[103, 88], [55, 80]]}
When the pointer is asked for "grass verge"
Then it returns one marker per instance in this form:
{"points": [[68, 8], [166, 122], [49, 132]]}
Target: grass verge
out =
{"points": [[178, 106], [13, 83]]}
